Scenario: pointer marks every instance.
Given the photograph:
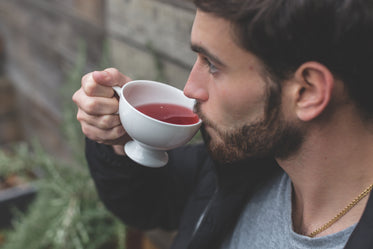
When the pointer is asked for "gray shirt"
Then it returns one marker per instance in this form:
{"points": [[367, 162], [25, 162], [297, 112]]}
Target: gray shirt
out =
{"points": [[266, 223]]}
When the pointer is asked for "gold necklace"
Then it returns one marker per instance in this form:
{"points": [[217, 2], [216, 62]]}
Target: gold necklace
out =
{"points": [[342, 213]]}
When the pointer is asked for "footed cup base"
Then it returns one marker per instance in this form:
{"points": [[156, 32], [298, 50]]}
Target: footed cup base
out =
{"points": [[145, 156]]}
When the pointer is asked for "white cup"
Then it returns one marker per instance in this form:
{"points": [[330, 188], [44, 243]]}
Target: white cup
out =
{"points": [[152, 137]]}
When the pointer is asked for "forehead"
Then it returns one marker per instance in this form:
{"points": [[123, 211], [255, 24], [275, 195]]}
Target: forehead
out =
{"points": [[208, 28], [216, 35]]}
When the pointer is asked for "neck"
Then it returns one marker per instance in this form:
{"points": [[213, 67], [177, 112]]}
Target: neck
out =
{"points": [[331, 169]]}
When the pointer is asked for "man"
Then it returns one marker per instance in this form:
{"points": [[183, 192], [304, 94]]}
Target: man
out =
{"points": [[282, 89]]}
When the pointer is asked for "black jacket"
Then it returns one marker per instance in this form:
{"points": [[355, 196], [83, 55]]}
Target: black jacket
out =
{"points": [[193, 194]]}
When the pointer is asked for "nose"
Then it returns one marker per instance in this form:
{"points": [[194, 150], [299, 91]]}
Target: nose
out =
{"points": [[196, 85]]}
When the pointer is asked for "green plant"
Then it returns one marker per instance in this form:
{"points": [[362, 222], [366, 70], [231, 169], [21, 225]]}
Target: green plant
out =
{"points": [[66, 212]]}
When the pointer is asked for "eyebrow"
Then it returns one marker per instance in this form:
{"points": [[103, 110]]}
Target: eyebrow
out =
{"points": [[205, 52]]}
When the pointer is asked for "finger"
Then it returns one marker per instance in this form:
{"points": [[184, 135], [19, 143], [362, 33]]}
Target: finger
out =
{"points": [[119, 141], [93, 88], [104, 122], [95, 105], [104, 136], [119, 79], [110, 77]]}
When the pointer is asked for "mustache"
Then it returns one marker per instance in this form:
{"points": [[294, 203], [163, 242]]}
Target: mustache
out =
{"points": [[205, 121]]}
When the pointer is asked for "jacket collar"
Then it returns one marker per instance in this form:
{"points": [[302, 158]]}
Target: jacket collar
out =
{"points": [[362, 236], [235, 184]]}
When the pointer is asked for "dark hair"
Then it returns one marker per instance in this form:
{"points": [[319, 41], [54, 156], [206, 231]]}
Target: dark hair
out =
{"points": [[286, 33]]}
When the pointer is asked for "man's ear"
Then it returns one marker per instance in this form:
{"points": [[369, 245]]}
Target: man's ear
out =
{"points": [[314, 89]]}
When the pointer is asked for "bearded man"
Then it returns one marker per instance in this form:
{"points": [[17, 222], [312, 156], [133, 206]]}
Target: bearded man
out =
{"points": [[282, 88]]}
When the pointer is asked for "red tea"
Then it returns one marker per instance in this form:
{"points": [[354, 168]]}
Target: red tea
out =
{"points": [[169, 113]]}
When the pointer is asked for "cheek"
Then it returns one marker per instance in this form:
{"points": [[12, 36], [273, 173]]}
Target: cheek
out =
{"points": [[243, 103]]}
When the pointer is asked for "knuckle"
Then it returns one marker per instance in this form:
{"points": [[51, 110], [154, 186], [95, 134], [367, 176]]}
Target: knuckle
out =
{"points": [[90, 105], [112, 134], [105, 122], [86, 132], [119, 131], [112, 70], [90, 87], [85, 78], [79, 116], [76, 96]]}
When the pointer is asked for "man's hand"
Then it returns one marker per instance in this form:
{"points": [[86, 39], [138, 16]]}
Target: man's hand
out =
{"points": [[98, 105]]}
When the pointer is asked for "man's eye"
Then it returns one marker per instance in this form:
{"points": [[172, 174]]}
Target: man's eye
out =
{"points": [[212, 68]]}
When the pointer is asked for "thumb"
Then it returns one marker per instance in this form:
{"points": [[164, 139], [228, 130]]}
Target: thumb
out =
{"points": [[110, 77]]}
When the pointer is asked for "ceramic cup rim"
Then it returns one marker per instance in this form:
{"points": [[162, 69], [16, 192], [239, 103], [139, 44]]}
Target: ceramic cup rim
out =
{"points": [[128, 84]]}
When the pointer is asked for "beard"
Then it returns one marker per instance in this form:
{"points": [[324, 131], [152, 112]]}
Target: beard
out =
{"points": [[270, 137]]}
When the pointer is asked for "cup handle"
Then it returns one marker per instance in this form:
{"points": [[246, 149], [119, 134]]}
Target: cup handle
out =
{"points": [[118, 90]]}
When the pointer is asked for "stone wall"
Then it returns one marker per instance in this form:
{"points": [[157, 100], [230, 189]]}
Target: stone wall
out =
{"points": [[146, 39]]}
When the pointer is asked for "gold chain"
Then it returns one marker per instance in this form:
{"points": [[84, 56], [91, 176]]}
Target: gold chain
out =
{"points": [[342, 213]]}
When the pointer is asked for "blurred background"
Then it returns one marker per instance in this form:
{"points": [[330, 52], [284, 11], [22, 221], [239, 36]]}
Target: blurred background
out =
{"points": [[46, 46], [41, 41]]}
